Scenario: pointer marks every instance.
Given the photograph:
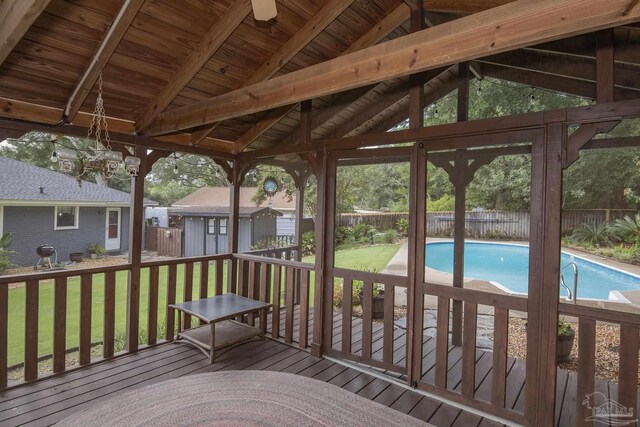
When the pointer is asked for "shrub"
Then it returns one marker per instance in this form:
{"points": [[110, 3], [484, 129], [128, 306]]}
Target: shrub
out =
{"points": [[309, 243], [96, 248], [402, 226], [344, 235], [627, 229], [595, 234], [389, 236], [5, 242], [364, 233], [445, 203]]}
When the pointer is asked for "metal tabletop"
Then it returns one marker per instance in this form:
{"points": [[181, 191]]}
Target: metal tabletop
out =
{"points": [[220, 307]]}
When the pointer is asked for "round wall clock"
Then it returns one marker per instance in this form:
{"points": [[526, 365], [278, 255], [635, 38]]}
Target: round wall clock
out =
{"points": [[270, 186]]}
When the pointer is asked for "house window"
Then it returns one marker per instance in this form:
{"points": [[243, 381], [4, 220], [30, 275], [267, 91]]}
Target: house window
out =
{"points": [[222, 226], [211, 226], [66, 217]]}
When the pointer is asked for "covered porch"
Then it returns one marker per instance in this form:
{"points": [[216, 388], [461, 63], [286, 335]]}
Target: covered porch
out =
{"points": [[330, 85]]}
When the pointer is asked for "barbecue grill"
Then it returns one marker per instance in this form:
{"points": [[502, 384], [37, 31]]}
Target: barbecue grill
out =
{"points": [[45, 252]]}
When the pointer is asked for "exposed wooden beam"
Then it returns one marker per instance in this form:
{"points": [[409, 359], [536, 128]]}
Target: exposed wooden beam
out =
{"points": [[295, 44], [116, 32], [16, 17], [212, 41], [389, 23], [463, 6], [507, 27], [127, 139]]}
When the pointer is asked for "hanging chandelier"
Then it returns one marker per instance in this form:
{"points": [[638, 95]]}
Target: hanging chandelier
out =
{"points": [[101, 159]]}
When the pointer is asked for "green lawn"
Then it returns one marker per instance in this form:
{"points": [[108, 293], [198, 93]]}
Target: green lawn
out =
{"points": [[375, 257]]}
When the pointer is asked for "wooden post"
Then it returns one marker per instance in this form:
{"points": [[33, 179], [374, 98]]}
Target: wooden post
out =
{"points": [[417, 204], [300, 182], [136, 218], [544, 275], [234, 222], [320, 334], [460, 184], [604, 66]]}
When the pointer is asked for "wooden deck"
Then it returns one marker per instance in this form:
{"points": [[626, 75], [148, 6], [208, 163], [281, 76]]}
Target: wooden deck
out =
{"points": [[52, 399]]}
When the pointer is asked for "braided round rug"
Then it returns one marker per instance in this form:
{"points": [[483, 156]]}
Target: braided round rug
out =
{"points": [[240, 398]]}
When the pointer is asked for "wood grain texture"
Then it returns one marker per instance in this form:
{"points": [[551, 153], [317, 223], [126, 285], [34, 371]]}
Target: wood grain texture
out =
{"points": [[112, 39], [31, 330], [198, 57], [505, 28], [16, 17], [86, 289], [109, 316], [59, 323], [4, 333]]}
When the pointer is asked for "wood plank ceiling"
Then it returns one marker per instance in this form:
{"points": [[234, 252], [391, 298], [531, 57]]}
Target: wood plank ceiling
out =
{"points": [[160, 55]]}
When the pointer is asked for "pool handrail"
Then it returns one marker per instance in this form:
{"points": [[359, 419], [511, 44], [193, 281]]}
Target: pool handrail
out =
{"points": [[572, 296]]}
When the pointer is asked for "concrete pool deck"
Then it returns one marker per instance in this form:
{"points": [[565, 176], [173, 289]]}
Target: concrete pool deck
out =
{"points": [[398, 266]]}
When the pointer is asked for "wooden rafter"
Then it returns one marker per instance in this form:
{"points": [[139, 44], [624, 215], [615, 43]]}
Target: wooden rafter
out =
{"points": [[494, 31], [382, 29], [16, 17], [295, 44], [212, 41], [116, 32]]}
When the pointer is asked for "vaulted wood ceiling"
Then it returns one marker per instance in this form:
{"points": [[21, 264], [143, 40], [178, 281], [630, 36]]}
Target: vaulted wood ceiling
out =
{"points": [[160, 55]]}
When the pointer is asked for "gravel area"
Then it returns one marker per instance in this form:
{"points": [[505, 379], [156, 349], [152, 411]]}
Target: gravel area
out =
{"points": [[607, 345]]}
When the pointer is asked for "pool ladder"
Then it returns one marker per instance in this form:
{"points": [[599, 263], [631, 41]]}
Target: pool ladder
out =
{"points": [[572, 296]]}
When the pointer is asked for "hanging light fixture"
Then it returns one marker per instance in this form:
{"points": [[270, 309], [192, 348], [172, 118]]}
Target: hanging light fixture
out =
{"points": [[102, 160]]}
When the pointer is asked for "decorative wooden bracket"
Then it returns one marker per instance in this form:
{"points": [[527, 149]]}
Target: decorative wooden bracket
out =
{"points": [[572, 145], [226, 166], [462, 165]]}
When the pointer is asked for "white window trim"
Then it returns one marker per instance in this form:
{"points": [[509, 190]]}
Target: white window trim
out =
{"points": [[70, 227]]}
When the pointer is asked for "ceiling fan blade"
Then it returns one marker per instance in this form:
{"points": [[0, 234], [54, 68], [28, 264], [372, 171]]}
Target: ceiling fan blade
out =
{"points": [[263, 10]]}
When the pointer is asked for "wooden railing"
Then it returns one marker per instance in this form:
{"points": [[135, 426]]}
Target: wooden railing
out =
{"points": [[286, 253], [585, 382], [367, 342], [99, 293], [287, 285], [461, 384]]}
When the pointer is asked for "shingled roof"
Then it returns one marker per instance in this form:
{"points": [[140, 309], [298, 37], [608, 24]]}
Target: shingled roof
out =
{"points": [[23, 182], [219, 197]]}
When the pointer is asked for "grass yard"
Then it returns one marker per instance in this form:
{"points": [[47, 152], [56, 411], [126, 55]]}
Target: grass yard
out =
{"points": [[374, 257]]}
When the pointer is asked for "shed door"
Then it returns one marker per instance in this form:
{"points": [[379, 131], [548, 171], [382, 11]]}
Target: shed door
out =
{"points": [[194, 236]]}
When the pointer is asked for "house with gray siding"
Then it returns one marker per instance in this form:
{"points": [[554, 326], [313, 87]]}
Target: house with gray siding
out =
{"points": [[40, 206], [204, 215]]}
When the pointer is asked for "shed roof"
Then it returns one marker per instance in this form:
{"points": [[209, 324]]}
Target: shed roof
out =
{"points": [[22, 183], [219, 197], [220, 211]]}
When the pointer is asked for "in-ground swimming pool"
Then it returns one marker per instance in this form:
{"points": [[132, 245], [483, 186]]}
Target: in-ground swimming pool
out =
{"points": [[508, 266]]}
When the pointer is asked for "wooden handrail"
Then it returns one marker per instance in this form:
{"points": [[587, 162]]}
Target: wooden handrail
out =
{"points": [[619, 317], [46, 275], [274, 261], [193, 259], [383, 278], [510, 302]]}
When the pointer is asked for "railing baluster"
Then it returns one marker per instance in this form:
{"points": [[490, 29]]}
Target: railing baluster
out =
{"points": [[442, 342], [275, 313], [4, 333], [204, 282], [500, 345], [188, 291], [59, 324], [627, 380], [31, 331], [85, 318], [152, 325], [347, 311], [251, 288], [109, 323], [265, 276], [388, 337], [304, 309], [586, 366], [219, 276], [469, 348], [171, 299], [367, 318], [289, 308]]}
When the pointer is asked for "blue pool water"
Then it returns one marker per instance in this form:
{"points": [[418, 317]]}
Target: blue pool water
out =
{"points": [[508, 265]]}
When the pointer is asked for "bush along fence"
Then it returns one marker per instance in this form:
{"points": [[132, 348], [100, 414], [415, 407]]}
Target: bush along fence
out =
{"points": [[484, 224]]}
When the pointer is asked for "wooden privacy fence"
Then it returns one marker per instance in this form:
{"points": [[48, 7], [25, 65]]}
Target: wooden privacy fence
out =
{"points": [[169, 241], [484, 224], [151, 238]]}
